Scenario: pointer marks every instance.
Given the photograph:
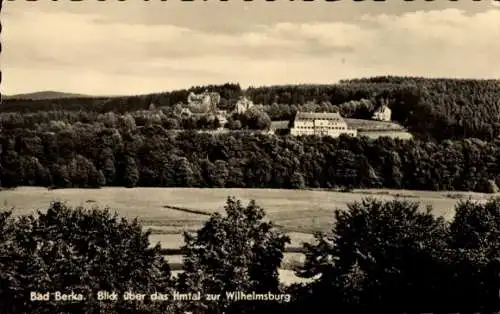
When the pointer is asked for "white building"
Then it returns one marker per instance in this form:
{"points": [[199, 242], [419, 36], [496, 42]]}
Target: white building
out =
{"points": [[320, 124], [243, 105], [203, 103], [383, 113]]}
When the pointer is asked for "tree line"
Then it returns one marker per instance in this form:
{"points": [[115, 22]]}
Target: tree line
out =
{"points": [[119, 153], [380, 256], [432, 109], [229, 93], [170, 118]]}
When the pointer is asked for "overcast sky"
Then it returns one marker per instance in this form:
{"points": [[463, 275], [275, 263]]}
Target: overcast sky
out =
{"points": [[135, 47]]}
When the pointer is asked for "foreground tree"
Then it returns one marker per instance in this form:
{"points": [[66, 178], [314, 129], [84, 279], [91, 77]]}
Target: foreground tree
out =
{"points": [[476, 225], [236, 252], [391, 257], [475, 241], [378, 252], [82, 252]]}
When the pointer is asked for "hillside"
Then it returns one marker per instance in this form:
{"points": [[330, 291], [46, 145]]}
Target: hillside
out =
{"points": [[44, 95], [430, 109]]}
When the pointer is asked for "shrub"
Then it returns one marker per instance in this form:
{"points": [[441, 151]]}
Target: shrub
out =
{"points": [[487, 186]]}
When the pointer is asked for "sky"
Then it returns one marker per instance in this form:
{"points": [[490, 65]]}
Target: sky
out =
{"points": [[138, 47]]}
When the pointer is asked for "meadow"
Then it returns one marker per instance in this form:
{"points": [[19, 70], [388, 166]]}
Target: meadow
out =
{"points": [[392, 134], [170, 211], [373, 125], [374, 129]]}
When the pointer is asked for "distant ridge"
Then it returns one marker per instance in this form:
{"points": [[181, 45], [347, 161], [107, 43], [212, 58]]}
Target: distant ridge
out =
{"points": [[44, 95]]}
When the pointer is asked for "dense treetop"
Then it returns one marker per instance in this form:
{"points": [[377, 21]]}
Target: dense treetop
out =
{"points": [[94, 155], [392, 257], [81, 251]]}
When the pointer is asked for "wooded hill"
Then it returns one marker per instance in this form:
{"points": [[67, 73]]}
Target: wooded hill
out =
{"points": [[92, 155], [432, 109]]}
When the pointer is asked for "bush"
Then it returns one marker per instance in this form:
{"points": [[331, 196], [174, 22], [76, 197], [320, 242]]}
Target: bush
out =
{"points": [[381, 256], [80, 251], [487, 186]]}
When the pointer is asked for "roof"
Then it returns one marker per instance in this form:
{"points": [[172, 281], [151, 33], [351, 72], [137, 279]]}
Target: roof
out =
{"points": [[318, 115]]}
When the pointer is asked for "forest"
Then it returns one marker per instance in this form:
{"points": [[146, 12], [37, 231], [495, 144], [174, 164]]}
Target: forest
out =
{"points": [[142, 140], [432, 109], [94, 155]]}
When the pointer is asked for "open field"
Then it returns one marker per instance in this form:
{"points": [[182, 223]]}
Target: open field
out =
{"points": [[298, 212], [374, 129], [372, 125], [302, 211], [392, 134]]}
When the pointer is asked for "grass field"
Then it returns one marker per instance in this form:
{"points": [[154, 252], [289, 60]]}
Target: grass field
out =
{"points": [[374, 129], [303, 211], [392, 134], [372, 125], [299, 212]]}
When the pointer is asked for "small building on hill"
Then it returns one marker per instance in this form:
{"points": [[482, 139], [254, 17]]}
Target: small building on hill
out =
{"points": [[243, 105], [320, 124], [203, 103], [383, 113]]}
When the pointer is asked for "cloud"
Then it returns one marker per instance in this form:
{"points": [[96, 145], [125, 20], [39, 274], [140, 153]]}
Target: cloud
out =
{"points": [[89, 53]]}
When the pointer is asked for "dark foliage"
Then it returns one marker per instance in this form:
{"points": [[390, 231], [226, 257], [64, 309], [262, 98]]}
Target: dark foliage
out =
{"points": [[388, 257], [381, 257], [93, 155], [236, 252], [228, 92], [79, 251], [432, 109]]}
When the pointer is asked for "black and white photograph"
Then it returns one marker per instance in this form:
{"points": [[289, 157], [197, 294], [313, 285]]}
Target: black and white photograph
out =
{"points": [[226, 157]]}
